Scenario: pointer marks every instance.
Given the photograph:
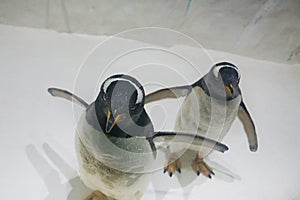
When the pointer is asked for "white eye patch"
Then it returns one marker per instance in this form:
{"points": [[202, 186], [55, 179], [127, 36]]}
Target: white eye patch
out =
{"points": [[217, 69], [108, 82]]}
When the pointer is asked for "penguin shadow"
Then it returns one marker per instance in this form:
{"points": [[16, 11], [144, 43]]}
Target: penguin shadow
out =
{"points": [[222, 172], [182, 183], [187, 180], [57, 189], [74, 188]]}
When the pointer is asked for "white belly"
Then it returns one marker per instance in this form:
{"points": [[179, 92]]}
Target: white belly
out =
{"points": [[206, 116], [120, 174]]}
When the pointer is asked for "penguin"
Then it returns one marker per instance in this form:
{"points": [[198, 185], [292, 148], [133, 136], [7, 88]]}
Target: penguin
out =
{"points": [[210, 106], [115, 142]]}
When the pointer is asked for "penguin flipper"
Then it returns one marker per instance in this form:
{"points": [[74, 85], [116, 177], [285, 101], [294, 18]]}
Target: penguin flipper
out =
{"points": [[56, 92], [193, 141], [249, 126], [174, 92], [153, 147]]}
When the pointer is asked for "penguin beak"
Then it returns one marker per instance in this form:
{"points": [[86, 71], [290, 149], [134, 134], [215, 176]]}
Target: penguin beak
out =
{"points": [[229, 90], [111, 121]]}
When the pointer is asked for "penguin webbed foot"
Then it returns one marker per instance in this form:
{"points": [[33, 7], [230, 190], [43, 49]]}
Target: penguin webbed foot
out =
{"points": [[200, 167], [96, 195], [173, 165]]}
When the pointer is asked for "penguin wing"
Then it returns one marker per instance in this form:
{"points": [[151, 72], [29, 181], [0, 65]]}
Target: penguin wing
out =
{"points": [[56, 92], [174, 92], [193, 141], [249, 127]]}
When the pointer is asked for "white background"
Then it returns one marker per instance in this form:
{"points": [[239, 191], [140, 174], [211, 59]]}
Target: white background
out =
{"points": [[37, 130]]}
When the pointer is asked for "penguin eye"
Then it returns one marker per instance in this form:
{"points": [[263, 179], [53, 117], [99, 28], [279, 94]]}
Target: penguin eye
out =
{"points": [[135, 105], [136, 99]]}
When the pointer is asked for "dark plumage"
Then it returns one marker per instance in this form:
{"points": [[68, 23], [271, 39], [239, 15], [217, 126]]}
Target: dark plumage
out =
{"points": [[211, 104], [115, 139]]}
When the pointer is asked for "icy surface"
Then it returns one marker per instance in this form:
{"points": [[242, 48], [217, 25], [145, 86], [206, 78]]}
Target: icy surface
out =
{"points": [[37, 131]]}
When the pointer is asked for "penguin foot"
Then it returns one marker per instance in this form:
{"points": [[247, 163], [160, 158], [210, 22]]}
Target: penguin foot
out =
{"points": [[173, 165], [200, 167], [96, 195]]}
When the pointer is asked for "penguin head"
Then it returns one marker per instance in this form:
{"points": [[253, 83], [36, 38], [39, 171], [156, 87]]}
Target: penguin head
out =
{"points": [[223, 80], [120, 102]]}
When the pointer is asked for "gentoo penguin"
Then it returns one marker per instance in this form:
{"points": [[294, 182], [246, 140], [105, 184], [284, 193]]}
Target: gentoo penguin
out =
{"points": [[210, 106], [115, 141]]}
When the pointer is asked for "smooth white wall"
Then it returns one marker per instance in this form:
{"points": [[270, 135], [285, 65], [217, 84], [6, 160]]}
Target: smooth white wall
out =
{"points": [[267, 30]]}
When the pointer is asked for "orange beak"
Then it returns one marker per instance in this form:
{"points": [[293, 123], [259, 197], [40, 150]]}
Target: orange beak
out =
{"points": [[229, 90], [110, 122]]}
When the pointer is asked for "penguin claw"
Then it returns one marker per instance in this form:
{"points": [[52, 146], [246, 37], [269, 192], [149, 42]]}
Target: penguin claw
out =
{"points": [[96, 195], [200, 167], [172, 166]]}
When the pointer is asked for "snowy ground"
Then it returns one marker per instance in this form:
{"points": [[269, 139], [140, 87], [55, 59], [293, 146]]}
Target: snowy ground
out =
{"points": [[37, 156]]}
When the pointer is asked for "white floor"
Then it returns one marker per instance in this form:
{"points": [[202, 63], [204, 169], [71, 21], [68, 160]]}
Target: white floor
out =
{"points": [[37, 156]]}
